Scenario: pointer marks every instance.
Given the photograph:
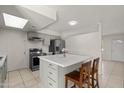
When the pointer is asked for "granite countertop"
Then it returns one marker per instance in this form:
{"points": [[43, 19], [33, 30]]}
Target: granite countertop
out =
{"points": [[62, 61]]}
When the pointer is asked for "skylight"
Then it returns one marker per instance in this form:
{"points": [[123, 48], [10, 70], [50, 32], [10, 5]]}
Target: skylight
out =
{"points": [[14, 21]]}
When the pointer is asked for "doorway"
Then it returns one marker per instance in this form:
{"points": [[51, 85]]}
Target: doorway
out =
{"points": [[117, 52]]}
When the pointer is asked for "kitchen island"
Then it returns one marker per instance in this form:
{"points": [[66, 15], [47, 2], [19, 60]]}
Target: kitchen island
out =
{"points": [[54, 67]]}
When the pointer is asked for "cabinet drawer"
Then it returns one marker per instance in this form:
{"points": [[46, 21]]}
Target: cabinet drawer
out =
{"points": [[53, 66], [53, 75], [52, 70], [52, 83]]}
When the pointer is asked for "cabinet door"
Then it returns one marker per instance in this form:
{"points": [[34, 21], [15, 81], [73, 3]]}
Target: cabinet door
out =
{"points": [[0, 77], [43, 73], [5, 70]]}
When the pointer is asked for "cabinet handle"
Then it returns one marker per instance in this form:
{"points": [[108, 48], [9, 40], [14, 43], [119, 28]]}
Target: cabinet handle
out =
{"points": [[50, 64], [50, 84], [50, 72]]}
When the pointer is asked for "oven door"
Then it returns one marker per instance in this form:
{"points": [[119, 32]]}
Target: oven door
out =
{"points": [[35, 61]]}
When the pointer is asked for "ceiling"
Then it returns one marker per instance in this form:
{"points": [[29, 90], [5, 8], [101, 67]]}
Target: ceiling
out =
{"points": [[88, 16], [36, 21], [111, 17]]}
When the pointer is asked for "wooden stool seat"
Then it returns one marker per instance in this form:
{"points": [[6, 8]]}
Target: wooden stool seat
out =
{"points": [[78, 77], [74, 76]]}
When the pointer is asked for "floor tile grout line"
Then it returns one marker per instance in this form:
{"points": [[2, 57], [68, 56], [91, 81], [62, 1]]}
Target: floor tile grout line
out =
{"points": [[109, 76], [8, 79], [34, 77], [22, 78], [31, 74], [123, 75], [123, 83]]}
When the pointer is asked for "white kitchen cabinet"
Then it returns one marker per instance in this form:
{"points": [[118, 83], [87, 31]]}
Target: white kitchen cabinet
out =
{"points": [[1, 78], [49, 75], [52, 76], [3, 72]]}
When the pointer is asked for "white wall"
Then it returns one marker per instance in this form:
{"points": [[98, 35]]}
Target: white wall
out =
{"points": [[14, 44], [107, 42], [49, 32], [81, 30], [85, 44]]}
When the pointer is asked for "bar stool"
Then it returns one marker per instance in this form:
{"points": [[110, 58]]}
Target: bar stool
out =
{"points": [[78, 77], [94, 73]]}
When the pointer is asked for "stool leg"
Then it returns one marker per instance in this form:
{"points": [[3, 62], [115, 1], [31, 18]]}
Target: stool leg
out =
{"points": [[66, 82], [88, 81], [97, 79], [93, 80], [73, 86], [80, 85]]}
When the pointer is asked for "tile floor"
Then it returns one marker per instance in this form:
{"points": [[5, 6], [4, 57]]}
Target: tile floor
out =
{"points": [[112, 77], [23, 78]]}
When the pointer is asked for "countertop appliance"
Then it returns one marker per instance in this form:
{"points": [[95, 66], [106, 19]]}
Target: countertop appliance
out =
{"points": [[56, 46], [34, 60]]}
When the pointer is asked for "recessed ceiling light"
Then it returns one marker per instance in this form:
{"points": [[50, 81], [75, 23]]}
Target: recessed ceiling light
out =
{"points": [[14, 21], [72, 23], [119, 41]]}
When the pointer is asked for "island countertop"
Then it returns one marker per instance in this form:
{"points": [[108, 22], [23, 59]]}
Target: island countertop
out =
{"points": [[62, 61]]}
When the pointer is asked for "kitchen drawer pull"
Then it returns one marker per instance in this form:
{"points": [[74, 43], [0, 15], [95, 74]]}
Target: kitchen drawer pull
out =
{"points": [[50, 84], [53, 66], [50, 65], [52, 80], [50, 73]]}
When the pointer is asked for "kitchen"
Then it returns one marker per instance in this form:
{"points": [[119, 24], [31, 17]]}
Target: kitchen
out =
{"points": [[58, 37]]}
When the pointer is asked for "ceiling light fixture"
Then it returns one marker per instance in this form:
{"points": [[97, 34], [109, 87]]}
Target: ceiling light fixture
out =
{"points": [[119, 41], [14, 21], [72, 23]]}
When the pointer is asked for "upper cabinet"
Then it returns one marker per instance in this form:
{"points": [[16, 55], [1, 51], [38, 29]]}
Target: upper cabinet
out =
{"points": [[42, 37]]}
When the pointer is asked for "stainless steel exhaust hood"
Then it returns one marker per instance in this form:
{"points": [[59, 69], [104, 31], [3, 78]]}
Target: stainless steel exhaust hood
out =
{"points": [[34, 36]]}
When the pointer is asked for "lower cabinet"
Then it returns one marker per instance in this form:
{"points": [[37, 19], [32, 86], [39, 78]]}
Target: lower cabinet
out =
{"points": [[3, 73], [1, 78], [48, 75], [52, 76]]}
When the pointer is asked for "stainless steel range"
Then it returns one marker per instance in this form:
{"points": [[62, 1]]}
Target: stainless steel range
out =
{"points": [[34, 60]]}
